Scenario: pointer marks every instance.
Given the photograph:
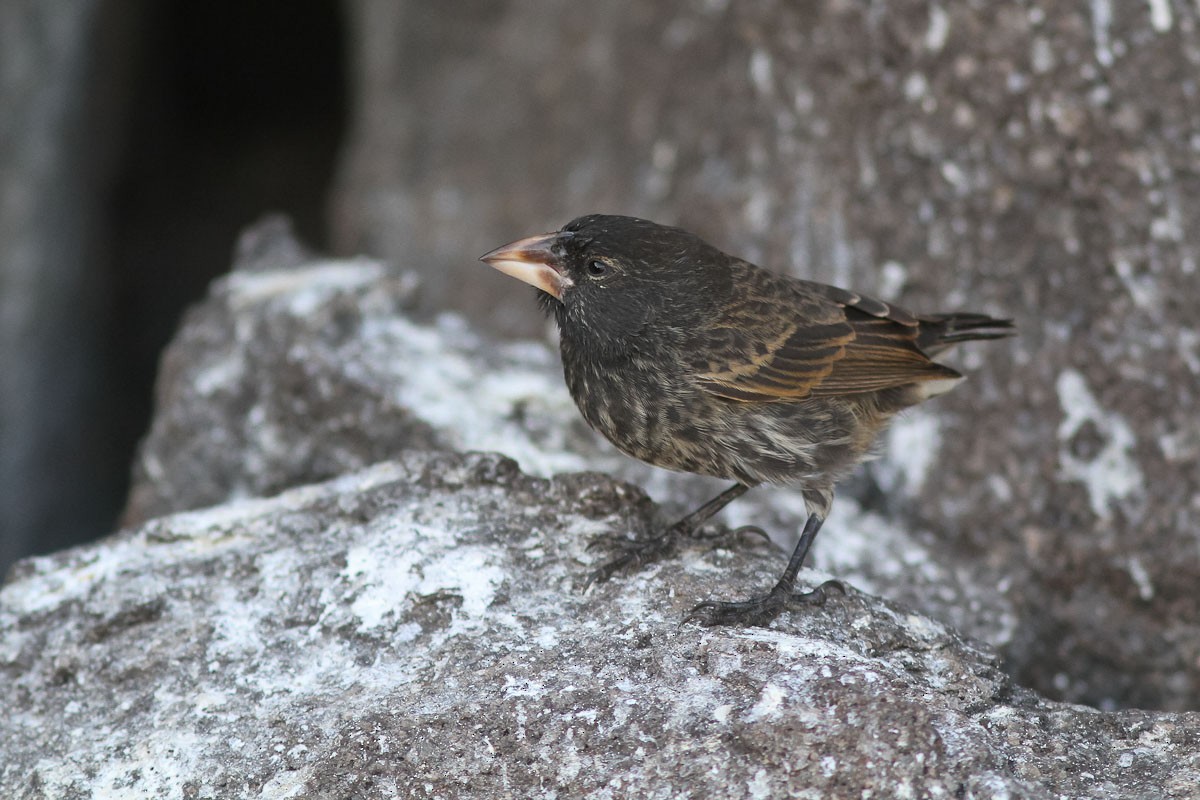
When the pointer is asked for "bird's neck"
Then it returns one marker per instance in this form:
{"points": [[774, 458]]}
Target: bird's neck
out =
{"points": [[585, 342]]}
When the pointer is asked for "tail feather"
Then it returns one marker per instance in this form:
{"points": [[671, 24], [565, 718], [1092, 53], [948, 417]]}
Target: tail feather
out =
{"points": [[940, 331]]}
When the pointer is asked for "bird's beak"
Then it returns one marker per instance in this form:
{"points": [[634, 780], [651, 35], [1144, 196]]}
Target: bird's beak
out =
{"points": [[534, 261]]}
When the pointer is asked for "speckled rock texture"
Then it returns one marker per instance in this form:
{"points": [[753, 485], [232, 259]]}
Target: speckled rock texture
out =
{"points": [[414, 630], [1030, 159]]}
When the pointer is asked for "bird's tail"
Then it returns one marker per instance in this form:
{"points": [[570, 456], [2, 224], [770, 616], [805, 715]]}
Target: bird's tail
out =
{"points": [[940, 331]]}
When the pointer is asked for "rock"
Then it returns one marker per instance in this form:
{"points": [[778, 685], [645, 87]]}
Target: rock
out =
{"points": [[414, 628], [1032, 160]]}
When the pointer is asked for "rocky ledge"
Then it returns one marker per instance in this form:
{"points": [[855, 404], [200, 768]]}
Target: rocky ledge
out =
{"points": [[415, 629], [320, 593]]}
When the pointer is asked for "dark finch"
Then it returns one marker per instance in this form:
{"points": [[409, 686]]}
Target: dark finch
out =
{"points": [[693, 360]]}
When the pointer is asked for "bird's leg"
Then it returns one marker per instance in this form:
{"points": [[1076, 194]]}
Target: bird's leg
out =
{"points": [[636, 552], [691, 524], [761, 610]]}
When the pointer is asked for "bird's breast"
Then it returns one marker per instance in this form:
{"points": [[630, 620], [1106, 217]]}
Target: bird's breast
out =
{"points": [[639, 403], [649, 408]]}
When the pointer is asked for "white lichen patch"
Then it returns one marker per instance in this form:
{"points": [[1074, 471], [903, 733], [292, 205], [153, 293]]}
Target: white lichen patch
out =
{"points": [[303, 288], [1141, 578], [769, 705], [760, 71], [384, 581], [287, 784], [1110, 475], [152, 766], [220, 373], [1142, 287], [938, 30], [1101, 31], [892, 277], [1161, 16], [913, 443], [198, 533], [517, 408]]}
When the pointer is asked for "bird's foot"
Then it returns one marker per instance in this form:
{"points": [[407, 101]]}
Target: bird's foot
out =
{"points": [[760, 611], [633, 553], [630, 553], [699, 534]]}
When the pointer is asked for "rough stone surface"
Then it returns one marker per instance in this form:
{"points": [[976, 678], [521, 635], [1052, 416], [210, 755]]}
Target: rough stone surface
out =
{"points": [[254, 394], [412, 630], [1031, 159]]}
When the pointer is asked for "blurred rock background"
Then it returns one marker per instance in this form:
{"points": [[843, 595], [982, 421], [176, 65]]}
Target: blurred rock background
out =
{"points": [[1029, 159]]}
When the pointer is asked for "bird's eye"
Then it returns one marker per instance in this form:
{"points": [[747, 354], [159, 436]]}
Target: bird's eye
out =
{"points": [[597, 268]]}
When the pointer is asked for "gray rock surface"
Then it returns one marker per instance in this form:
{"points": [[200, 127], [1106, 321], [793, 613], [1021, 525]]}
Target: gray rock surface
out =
{"points": [[1031, 159], [413, 630]]}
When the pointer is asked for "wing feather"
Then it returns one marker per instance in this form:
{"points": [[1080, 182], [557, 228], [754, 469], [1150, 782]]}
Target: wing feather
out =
{"points": [[787, 340]]}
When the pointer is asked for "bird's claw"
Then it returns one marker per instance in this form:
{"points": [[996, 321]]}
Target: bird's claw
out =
{"points": [[639, 552], [736, 532], [608, 541], [633, 552], [759, 611]]}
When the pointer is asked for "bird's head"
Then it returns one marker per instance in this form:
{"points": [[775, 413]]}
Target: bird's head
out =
{"points": [[611, 279]]}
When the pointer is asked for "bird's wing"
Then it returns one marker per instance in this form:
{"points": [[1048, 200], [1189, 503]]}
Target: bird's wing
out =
{"points": [[784, 339]]}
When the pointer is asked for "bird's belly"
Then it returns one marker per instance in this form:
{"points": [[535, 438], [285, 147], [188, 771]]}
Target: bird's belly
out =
{"points": [[671, 424]]}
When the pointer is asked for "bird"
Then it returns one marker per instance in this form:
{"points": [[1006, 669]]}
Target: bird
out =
{"points": [[694, 360]]}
